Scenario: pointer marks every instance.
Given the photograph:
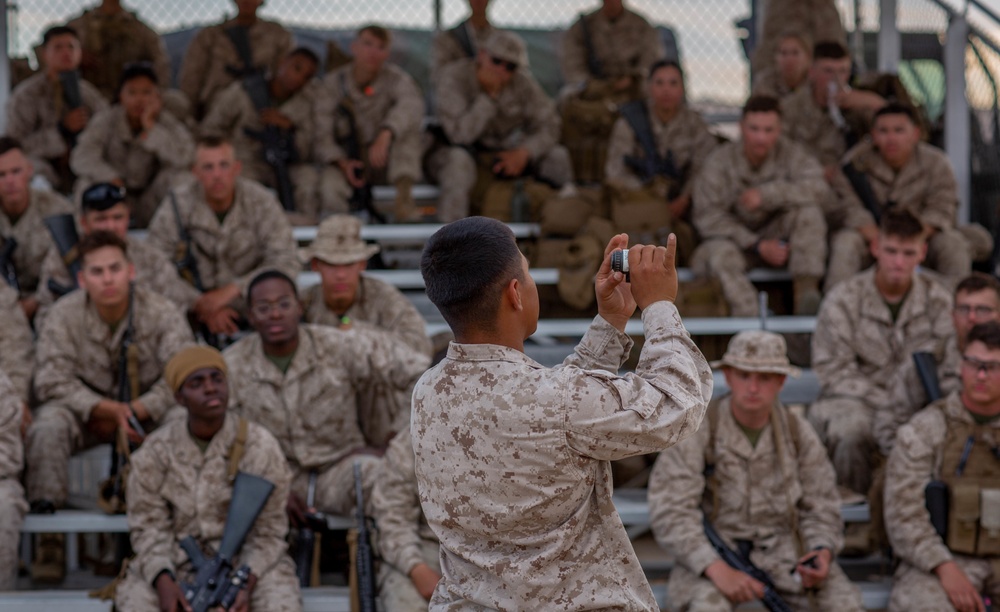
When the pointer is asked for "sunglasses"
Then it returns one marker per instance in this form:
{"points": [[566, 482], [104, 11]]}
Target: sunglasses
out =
{"points": [[510, 66], [103, 192]]}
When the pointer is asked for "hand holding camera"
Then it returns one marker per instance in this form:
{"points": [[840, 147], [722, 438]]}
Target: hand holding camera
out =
{"points": [[650, 271]]}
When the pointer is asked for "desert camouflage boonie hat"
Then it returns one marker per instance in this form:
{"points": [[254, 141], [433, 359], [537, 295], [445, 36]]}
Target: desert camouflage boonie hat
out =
{"points": [[506, 46], [758, 351], [338, 242]]}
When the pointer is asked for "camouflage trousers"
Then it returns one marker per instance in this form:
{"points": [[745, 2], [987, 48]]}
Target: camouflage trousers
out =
{"points": [[12, 510], [335, 484], [277, 590], [845, 426], [404, 162], [396, 590], [805, 231], [690, 593], [950, 252], [457, 171], [914, 590]]}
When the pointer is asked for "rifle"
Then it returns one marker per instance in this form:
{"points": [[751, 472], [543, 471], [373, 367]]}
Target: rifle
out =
{"points": [[651, 164], [7, 263], [863, 188], [240, 37], [278, 144], [216, 582], [70, 82], [361, 197], [365, 562], [594, 64], [184, 261], [63, 230], [771, 600], [461, 35], [309, 537], [927, 373]]}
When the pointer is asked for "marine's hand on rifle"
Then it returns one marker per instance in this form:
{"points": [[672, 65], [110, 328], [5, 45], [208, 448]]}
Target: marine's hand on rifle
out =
{"points": [[75, 120], [615, 303], [108, 415], [751, 200], [170, 594], [773, 252], [353, 170], [211, 302], [30, 306], [223, 322], [272, 116], [242, 603], [960, 591], [511, 163], [425, 579], [734, 584], [378, 153], [815, 575]]}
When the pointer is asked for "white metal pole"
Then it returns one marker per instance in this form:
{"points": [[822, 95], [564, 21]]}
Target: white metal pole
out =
{"points": [[888, 37], [4, 66], [957, 122]]}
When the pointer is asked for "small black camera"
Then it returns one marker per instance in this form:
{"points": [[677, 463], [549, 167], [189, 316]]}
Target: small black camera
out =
{"points": [[619, 263]]}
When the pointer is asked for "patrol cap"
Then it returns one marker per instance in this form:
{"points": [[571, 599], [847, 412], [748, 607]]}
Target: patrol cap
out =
{"points": [[188, 361], [758, 351], [506, 46], [102, 196], [338, 242]]}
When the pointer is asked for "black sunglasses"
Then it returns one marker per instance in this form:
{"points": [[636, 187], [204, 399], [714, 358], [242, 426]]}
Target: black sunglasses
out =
{"points": [[510, 66]]}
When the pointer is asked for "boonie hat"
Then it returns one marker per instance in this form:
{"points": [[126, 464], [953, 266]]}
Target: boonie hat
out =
{"points": [[758, 351], [338, 242], [505, 46]]}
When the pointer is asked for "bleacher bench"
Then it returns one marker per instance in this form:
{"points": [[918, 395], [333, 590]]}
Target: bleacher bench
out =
{"points": [[318, 599]]}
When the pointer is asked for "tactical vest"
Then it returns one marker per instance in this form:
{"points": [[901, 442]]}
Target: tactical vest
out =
{"points": [[971, 469]]}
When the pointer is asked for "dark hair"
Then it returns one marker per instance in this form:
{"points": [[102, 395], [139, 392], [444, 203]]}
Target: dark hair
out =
{"points": [[212, 142], [305, 52], [976, 282], [98, 240], [267, 275], [58, 31], [9, 143], [898, 108], [829, 49], [136, 70], [379, 32], [900, 223], [988, 333], [761, 104], [665, 63], [466, 265]]}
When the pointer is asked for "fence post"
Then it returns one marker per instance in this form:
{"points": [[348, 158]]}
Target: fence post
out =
{"points": [[4, 65], [888, 37], [957, 124]]}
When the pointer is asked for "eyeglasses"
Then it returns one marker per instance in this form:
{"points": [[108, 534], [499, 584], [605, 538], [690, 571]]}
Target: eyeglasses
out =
{"points": [[264, 309], [981, 312], [510, 66], [989, 368]]}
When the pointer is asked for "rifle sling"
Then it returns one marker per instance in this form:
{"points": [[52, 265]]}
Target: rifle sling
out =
{"points": [[636, 114], [593, 62], [461, 35], [238, 449], [240, 37]]}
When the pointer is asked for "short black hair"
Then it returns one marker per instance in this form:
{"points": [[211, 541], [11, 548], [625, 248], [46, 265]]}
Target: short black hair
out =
{"points": [[900, 223], [8, 144], [976, 282], [466, 265], [761, 104], [830, 49], [305, 52], [98, 240], [137, 70], [898, 108], [212, 142], [380, 32], [988, 333], [268, 275], [665, 63], [60, 30]]}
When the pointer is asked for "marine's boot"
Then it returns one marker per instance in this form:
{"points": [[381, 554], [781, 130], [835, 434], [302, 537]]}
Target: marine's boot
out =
{"points": [[405, 209], [807, 295], [49, 565]]}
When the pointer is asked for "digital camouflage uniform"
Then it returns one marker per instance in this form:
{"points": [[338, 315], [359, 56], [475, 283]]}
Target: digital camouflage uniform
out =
{"points": [[33, 238], [926, 187], [77, 366], [478, 126], [17, 344], [919, 456], [446, 48], [819, 20], [513, 463], [153, 271], [405, 540], [112, 41], [627, 46], [791, 183], [176, 489], [759, 487], [811, 126], [204, 73], [857, 352], [254, 236], [392, 101], [377, 303], [769, 82], [35, 109], [108, 150], [233, 112], [12, 503], [312, 409]]}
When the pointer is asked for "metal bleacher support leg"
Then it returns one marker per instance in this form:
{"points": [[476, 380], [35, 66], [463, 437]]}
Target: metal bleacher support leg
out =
{"points": [[762, 308], [889, 41], [956, 115]]}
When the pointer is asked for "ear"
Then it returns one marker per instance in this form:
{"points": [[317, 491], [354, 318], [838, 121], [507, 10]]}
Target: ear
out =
{"points": [[238, 166], [873, 247], [513, 294]]}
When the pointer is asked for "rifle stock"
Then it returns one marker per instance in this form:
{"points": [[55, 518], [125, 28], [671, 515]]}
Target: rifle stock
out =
{"points": [[365, 560], [926, 367], [65, 237], [863, 188], [7, 263], [771, 600]]}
